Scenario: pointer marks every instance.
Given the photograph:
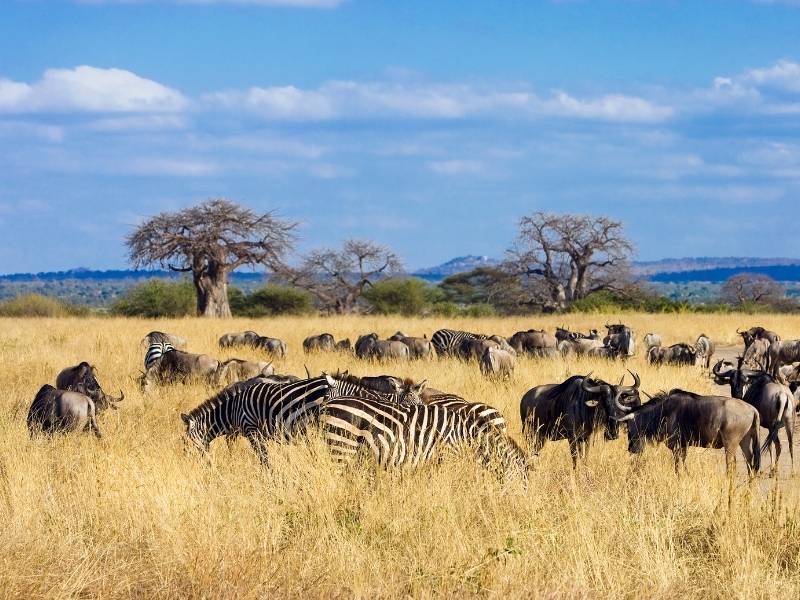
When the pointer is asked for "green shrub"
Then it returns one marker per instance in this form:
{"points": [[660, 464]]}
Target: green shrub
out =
{"points": [[269, 301], [36, 305], [403, 296], [157, 298]]}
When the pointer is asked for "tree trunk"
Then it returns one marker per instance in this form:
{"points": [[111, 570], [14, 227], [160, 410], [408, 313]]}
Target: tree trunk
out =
{"points": [[212, 293]]}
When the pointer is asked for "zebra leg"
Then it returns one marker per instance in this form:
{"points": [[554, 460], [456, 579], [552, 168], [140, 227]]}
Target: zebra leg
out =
{"points": [[257, 441]]}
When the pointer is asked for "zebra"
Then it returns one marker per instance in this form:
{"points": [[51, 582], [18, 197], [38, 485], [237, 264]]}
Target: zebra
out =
{"points": [[411, 434], [448, 341], [257, 410], [157, 348], [484, 411], [385, 388]]}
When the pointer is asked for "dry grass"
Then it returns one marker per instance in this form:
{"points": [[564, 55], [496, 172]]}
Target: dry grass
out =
{"points": [[132, 515]]}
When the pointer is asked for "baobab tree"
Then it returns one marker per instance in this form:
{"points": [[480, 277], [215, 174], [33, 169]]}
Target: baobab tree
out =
{"points": [[562, 257], [751, 288], [337, 278], [209, 241]]}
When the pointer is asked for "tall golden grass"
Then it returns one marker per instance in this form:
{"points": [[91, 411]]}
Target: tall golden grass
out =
{"points": [[133, 515]]}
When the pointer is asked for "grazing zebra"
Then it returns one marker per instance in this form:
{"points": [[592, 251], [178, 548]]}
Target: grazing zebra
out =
{"points": [[448, 341], [156, 350], [385, 388], [258, 411], [411, 434], [484, 411]]}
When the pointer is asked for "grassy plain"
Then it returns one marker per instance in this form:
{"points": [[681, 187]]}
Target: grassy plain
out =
{"points": [[132, 515]]}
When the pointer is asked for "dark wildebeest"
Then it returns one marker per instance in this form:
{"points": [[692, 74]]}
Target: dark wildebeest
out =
{"points": [[782, 353], [535, 342], [705, 348], [82, 378], [272, 346], [775, 405], [575, 409], [620, 340], [62, 411], [682, 419], [737, 376], [237, 369], [153, 337], [178, 366], [757, 333], [323, 342], [497, 362], [677, 354], [418, 347], [344, 345], [369, 346]]}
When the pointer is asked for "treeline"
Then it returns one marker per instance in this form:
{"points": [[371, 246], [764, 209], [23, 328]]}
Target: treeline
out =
{"points": [[482, 292]]}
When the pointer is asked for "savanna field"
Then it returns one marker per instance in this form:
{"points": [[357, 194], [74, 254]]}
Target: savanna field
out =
{"points": [[133, 515]]}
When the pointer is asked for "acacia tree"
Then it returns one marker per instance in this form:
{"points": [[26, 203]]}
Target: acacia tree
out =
{"points": [[337, 278], [562, 257], [746, 288], [210, 240]]}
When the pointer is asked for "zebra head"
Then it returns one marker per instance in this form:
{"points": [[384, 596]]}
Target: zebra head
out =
{"points": [[196, 431]]}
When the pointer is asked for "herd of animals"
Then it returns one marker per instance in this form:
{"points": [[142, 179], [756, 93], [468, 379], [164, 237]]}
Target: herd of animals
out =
{"points": [[401, 422]]}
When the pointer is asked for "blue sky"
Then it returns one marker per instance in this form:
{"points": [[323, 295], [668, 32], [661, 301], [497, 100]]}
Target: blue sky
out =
{"points": [[429, 126]]}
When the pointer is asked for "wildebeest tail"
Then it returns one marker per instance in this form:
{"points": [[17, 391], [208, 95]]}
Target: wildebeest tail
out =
{"points": [[756, 446], [773, 431]]}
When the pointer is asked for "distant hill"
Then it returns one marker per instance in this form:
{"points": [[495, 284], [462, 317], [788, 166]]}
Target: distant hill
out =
{"points": [[459, 264], [704, 263], [785, 273]]}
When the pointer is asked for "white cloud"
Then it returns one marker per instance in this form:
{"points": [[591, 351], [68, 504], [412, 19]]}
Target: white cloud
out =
{"points": [[359, 100], [457, 167], [783, 75], [89, 89], [139, 123]]}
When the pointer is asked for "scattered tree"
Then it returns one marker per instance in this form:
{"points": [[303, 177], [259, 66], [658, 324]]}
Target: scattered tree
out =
{"points": [[485, 285], [271, 300], [157, 298], [751, 288], [210, 241], [562, 258], [337, 278], [407, 296]]}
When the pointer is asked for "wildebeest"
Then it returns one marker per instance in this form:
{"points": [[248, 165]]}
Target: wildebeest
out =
{"points": [[473, 349], [503, 344], [573, 410], [781, 353], [418, 347], [705, 348], [650, 340], [578, 343], [620, 340], [239, 338], [756, 355], [497, 362], [386, 388], [63, 411], [677, 354], [682, 419], [178, 366], [535, 342], [323, 342], [757, 333], [237, 369], [272, 346], [82, 378], [775, 405], [737, 376], [369, 346], [175, 340]]}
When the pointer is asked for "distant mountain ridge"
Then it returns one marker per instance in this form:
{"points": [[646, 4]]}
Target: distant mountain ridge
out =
{"points": [[664, 270]]}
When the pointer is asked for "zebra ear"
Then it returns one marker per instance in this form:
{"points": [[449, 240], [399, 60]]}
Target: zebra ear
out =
{"points": [[331, 381], [185, 418], [421, 385]]}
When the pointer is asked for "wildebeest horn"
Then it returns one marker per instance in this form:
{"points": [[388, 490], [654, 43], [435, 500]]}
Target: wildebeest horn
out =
{"points": [[121, 397], [627, 417], [592, 389], [636, 380], [308, 374]]}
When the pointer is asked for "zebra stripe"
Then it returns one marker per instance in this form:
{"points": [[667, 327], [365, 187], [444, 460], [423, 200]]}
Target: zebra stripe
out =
{"points": [[447, 341], [155, 351], [348, 386], [258, 411], [484, 411], [412, 434]]}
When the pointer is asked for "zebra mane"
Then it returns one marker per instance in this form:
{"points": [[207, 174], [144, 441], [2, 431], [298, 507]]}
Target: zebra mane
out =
{"points": [[223, 395], [355, 379]]}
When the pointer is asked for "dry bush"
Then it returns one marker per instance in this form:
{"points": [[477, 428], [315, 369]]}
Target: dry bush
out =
{"points": [[133, 515]]}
